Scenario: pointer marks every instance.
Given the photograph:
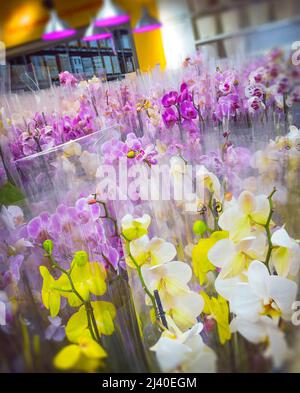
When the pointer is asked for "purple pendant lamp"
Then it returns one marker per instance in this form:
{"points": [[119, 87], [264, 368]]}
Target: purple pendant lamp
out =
{"points": [[56, 28], [94, 33], [147, 23], [111, 15]]}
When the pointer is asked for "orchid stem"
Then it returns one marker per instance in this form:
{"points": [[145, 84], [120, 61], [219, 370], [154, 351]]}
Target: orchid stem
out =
{"points": [[92, 325], [267, 227], [139, 271], [108, 217]]}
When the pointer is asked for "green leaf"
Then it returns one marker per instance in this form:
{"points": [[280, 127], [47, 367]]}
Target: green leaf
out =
{"points": [[10, 194]]}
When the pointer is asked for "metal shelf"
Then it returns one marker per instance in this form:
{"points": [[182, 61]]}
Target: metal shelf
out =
{"points": [[250, 30], [226, 7]]}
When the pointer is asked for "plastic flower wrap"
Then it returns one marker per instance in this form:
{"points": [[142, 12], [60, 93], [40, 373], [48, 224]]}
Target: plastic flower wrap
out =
{"points": [[197, 272], [245, 262], [66, 170], [40, 247]]}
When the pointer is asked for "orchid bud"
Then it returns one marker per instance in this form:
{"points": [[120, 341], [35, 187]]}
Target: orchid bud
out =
{"points": [[48, 246], [199, 227], [80, 258]]}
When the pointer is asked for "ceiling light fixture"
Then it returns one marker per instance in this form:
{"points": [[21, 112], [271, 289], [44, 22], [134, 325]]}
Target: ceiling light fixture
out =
{"points": [[147, 23], [94, 33], [111, 15], [56, 28]]}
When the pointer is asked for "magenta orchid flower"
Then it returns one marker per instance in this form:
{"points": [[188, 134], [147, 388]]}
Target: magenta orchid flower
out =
{"points": [[170, 117], [170, 99], [67, 79], [188, 110]]}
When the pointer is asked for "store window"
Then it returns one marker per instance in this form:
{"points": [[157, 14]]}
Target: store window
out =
{"points": [[105, 58]]}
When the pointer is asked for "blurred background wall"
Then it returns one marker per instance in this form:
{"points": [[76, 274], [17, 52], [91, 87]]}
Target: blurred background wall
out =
{"points": [[221, 28]]}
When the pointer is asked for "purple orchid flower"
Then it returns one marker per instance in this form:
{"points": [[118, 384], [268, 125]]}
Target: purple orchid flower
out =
{"points": [[113, 150], [55, 331], [185, 96], [227, 106], [39, 228], [188, 110], [257, 90], [255, 105], [170, 99], [133, 142], [170, 117], [67, 79]]}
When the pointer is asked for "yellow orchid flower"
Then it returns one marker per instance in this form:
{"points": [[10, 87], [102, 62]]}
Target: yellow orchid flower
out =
{"points": [[217, 308], [104, 314], [50, 292], [200, 262], [134, 228], [84, 356], [87, 277], [77, 326]]}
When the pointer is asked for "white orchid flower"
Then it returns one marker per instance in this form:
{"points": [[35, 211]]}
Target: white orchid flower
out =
{"points": [[294, 133], [90, 163], [171, 280], [288, 143], [265, 184], [94, 80], [177, 166], [20, 246], [66, 166], [264, 330], [207, 181], [249, 212], [133, 228], [154, 252], [171, 277], [185, 352], [263, 294], [12, 216], [266, 161], [184, 309], [72, 149], [285, 256], [233, 258]]}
